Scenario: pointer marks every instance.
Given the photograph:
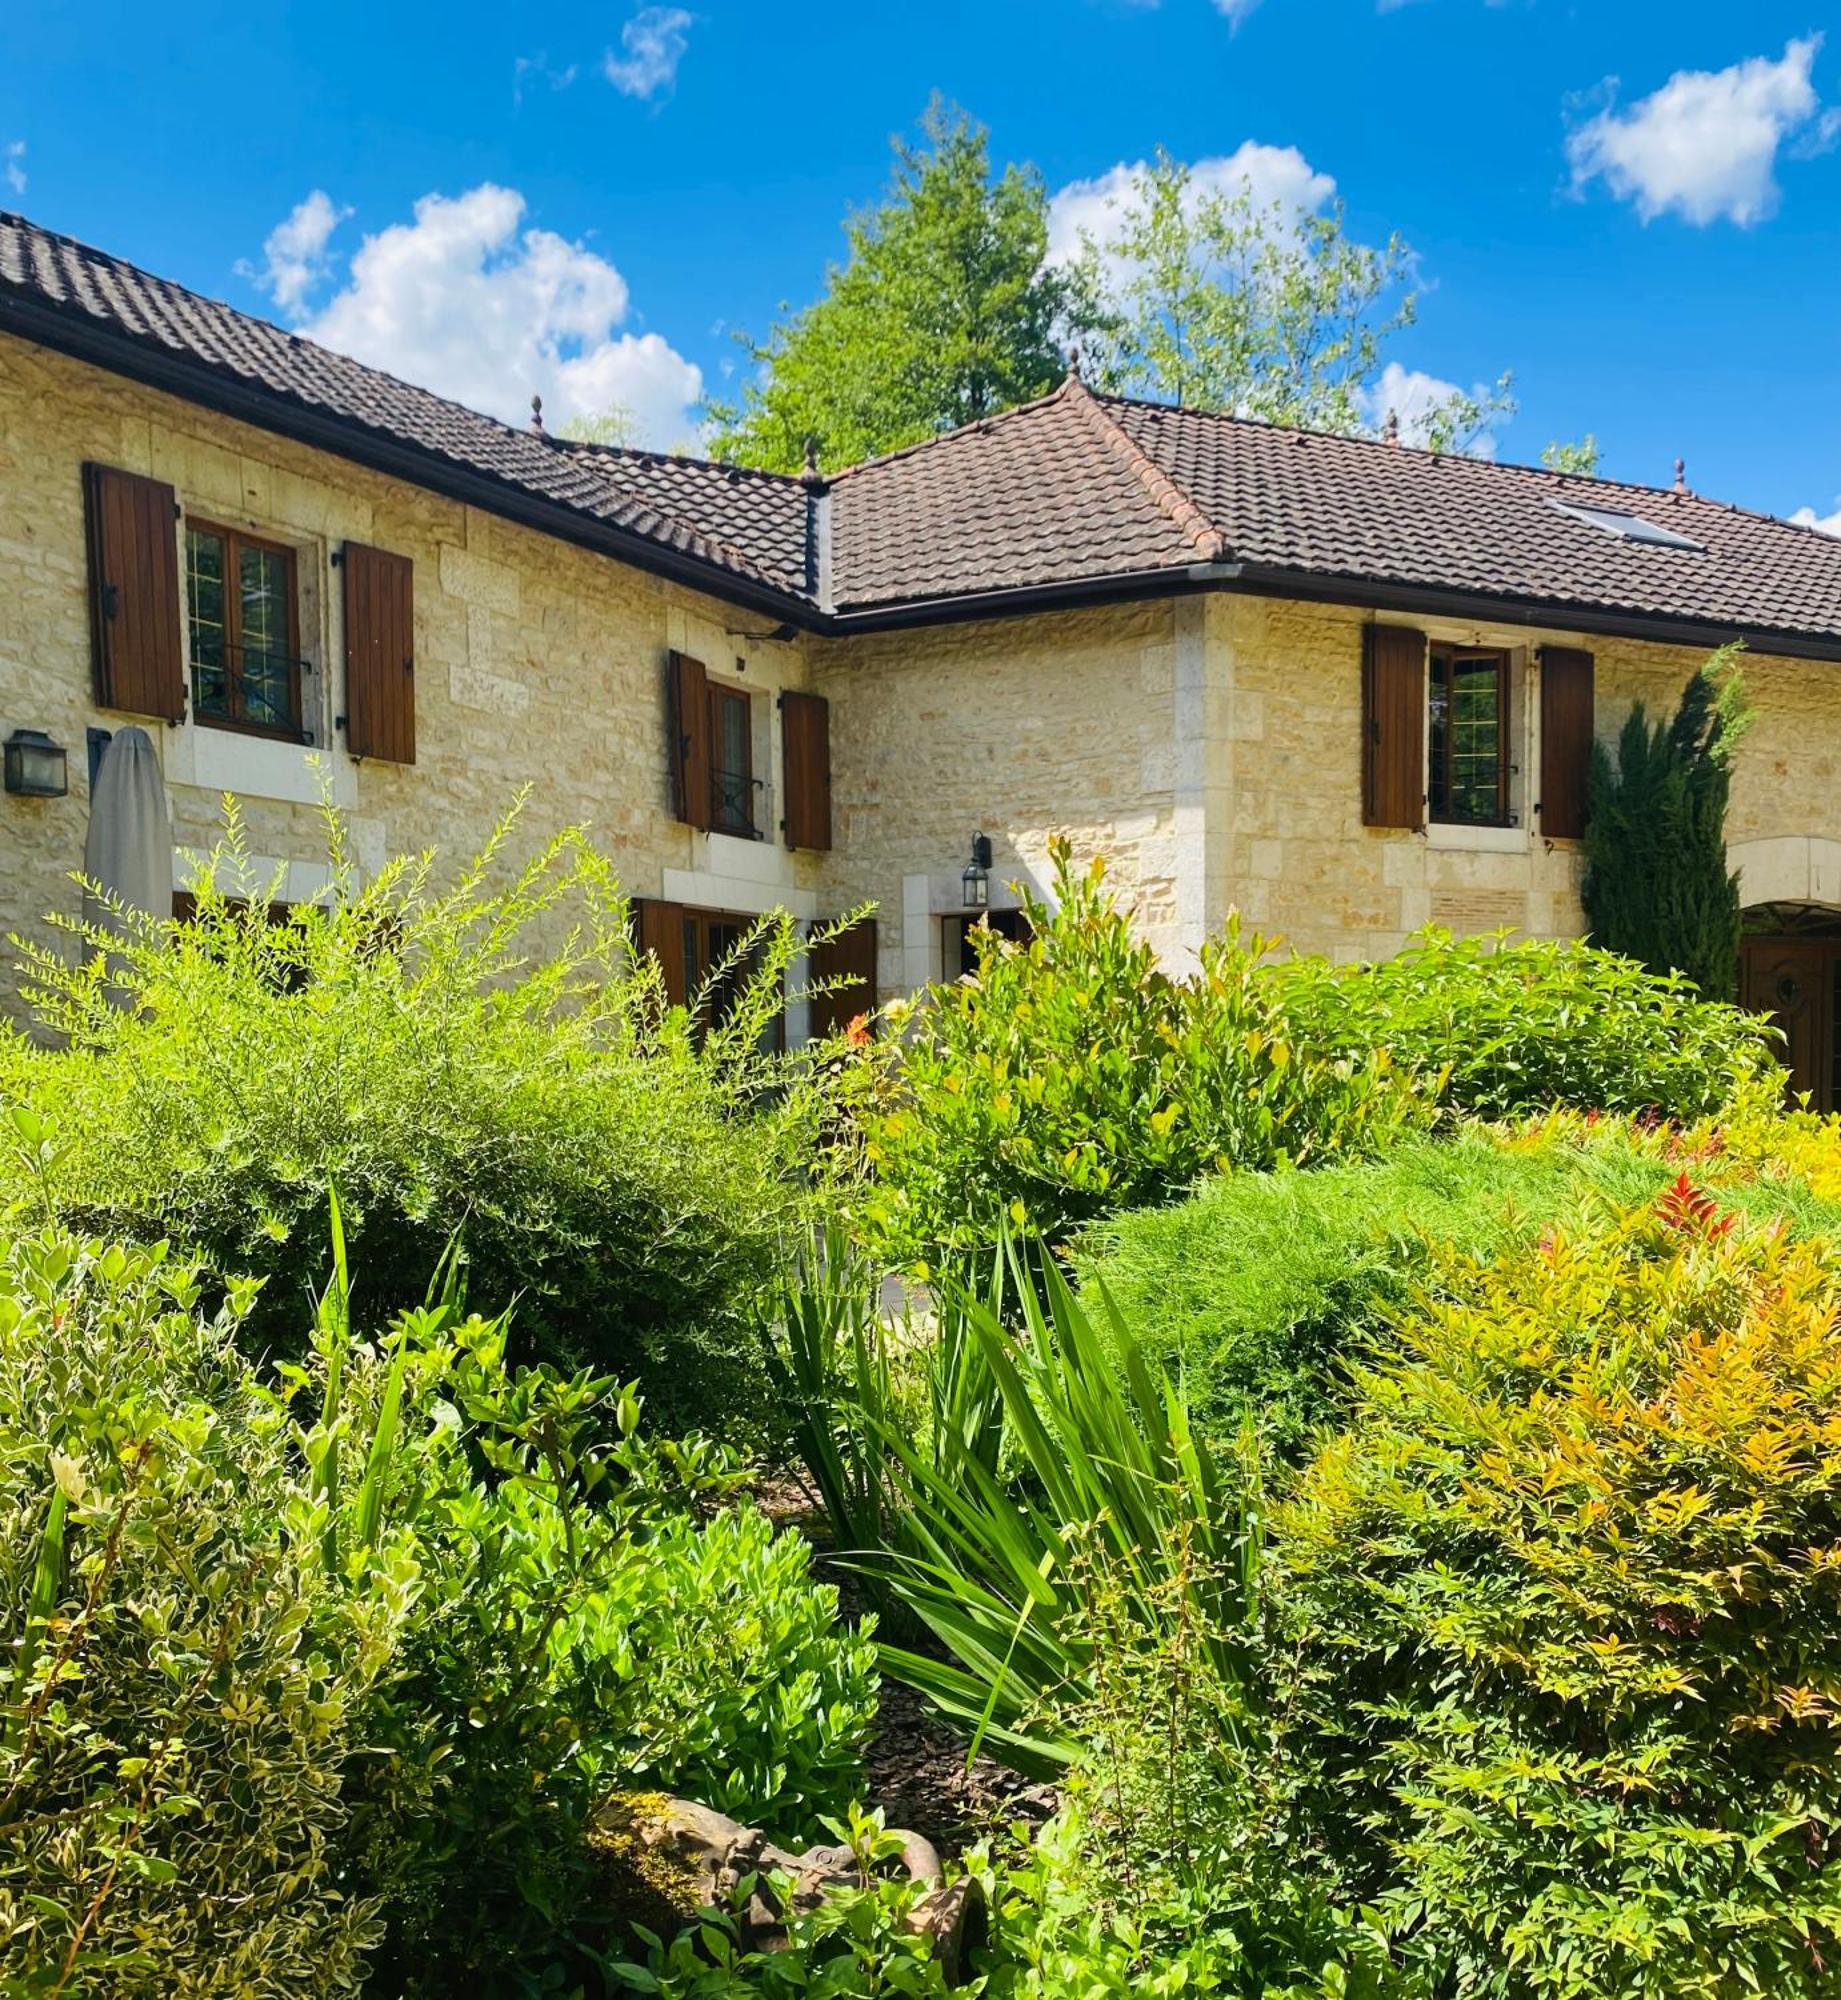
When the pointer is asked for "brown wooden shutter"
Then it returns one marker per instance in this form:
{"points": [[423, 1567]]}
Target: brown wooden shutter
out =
{"points": [[850, 956], [805, 728], [1566, 739], [660, 929], [1393, 727], [135, 641], [687, 703], [380, 689]]}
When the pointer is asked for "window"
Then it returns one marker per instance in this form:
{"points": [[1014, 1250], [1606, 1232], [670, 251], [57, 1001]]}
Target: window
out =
{"points": [[242, 617], [1626, 527], [711, 939], [1468, 740], [962, 937], [732, 763]]}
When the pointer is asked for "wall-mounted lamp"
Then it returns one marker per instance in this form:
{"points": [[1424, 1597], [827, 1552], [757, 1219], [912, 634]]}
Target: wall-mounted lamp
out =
{"points": [[36, 768], [975, 883]]}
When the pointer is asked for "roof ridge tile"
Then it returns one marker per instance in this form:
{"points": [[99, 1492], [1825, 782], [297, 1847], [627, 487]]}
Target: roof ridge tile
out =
{"points": [[1197, 528]]}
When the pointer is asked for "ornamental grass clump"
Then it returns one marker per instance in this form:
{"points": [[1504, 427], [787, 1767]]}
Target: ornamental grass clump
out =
{"points": [[1568, 1590]]}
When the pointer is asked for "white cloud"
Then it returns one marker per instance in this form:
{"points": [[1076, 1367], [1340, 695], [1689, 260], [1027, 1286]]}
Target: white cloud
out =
{"points": [[654, 41], [468, 302], [1705, 145], [536, 69], [1807, 517], [12, 164], [1411, 395], [1275, 176], [294, 251], [1236, 11]]}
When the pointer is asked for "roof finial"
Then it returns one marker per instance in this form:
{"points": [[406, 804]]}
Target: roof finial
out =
{"points": [[812, 479], [1074, 361], [537, 415], [1681, 475], [1391, 429]]}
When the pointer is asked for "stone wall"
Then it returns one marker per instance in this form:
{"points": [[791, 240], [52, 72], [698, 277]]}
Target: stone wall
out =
{"points": [[1302, 864], [1208, 746], [538, 664], [1022, 728]]}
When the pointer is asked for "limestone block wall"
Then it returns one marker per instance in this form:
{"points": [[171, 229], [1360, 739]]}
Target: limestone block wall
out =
{"points": [[1302, 864], [1022, 728], [538, 665]]}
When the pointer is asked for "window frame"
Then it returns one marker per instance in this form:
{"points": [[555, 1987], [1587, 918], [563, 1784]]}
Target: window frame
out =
{"points": [[700, 962], [1454, 655], [234, 539], [719, 694]]}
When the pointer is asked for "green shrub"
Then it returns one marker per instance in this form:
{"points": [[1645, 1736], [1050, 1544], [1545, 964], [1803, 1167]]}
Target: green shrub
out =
{"points": [[1069, 1079], [320, 1681], [584, 1623], [1500, 1029], [1658, 886], [183, 1684], [1257, 1290], [1566, 1595], [623, 1181]]}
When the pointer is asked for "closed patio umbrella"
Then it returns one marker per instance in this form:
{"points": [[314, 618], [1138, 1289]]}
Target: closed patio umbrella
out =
{"points": [[129, 848]]}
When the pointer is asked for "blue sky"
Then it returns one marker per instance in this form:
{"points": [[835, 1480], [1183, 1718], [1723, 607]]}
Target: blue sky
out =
{"points": [[1634, 206]]}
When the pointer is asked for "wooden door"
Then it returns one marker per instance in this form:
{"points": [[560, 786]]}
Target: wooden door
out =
{"points": [[1793, 979]]}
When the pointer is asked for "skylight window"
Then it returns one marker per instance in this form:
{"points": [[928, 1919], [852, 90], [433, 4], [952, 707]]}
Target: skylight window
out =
{"points": [[1626, 527]]}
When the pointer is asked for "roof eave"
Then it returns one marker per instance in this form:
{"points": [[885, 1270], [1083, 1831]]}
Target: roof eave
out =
{"points": [[159, 367], [1273, 580]]}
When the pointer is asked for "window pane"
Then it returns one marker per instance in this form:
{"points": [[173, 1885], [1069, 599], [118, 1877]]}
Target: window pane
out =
{"points": [[263, 598], [734, 761], [1467, 732], [204, 600]]}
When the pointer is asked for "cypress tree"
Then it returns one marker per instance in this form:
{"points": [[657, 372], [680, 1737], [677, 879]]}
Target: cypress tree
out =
{"points": [[1656, 886]]}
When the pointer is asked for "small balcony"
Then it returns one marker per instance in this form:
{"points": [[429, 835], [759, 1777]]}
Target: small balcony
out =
{"points": [[738, 805]]}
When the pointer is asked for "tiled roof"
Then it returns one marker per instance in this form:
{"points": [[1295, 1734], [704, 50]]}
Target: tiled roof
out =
{"points": [[1077, 491], [1040, 494], [1356, 508], [88, 284]]}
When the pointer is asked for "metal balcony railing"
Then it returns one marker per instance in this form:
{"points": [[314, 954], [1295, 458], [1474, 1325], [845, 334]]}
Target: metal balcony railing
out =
{"points": [[249, 687], [738, 805]]}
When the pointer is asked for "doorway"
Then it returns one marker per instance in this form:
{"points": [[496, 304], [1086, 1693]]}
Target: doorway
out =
{"points": [[1790, 968]]}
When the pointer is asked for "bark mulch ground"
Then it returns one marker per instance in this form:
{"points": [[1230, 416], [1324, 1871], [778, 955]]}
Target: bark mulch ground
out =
{"points": [[916, 1763]]}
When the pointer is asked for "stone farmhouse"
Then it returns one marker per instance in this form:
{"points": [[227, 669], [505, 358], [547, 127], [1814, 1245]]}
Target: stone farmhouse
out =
{"points": [[1344, 686]]}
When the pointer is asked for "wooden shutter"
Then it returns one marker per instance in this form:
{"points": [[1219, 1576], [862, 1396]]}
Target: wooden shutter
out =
{"points": [[1566, 740], [380, 689], [660, 928], [850, 956], [1393, 727], [688, 719], [135, 642], [805, 728]]}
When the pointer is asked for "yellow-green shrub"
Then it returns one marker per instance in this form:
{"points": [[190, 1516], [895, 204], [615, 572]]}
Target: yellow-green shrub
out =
{"points": [[1568, 1591]]}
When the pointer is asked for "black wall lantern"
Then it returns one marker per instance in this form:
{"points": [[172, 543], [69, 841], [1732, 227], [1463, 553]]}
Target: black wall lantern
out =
{"points": [[975, 883], [36, 767]]}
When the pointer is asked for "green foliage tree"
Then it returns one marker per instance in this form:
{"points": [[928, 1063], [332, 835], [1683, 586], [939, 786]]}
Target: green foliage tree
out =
{"points": [[944, 312], [1212, 298], [1656, 886], [1579, 457]]}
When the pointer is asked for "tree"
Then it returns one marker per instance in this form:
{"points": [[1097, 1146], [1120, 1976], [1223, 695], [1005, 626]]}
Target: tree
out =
{"points": [[1581, 458], [1656, 886], [945, 311], [614, 425], [1211, 298]]}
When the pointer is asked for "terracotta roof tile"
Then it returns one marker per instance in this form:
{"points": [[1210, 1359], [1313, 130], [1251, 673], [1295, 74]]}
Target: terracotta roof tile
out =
{"points": [[1069, 490], [58, 271]]}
